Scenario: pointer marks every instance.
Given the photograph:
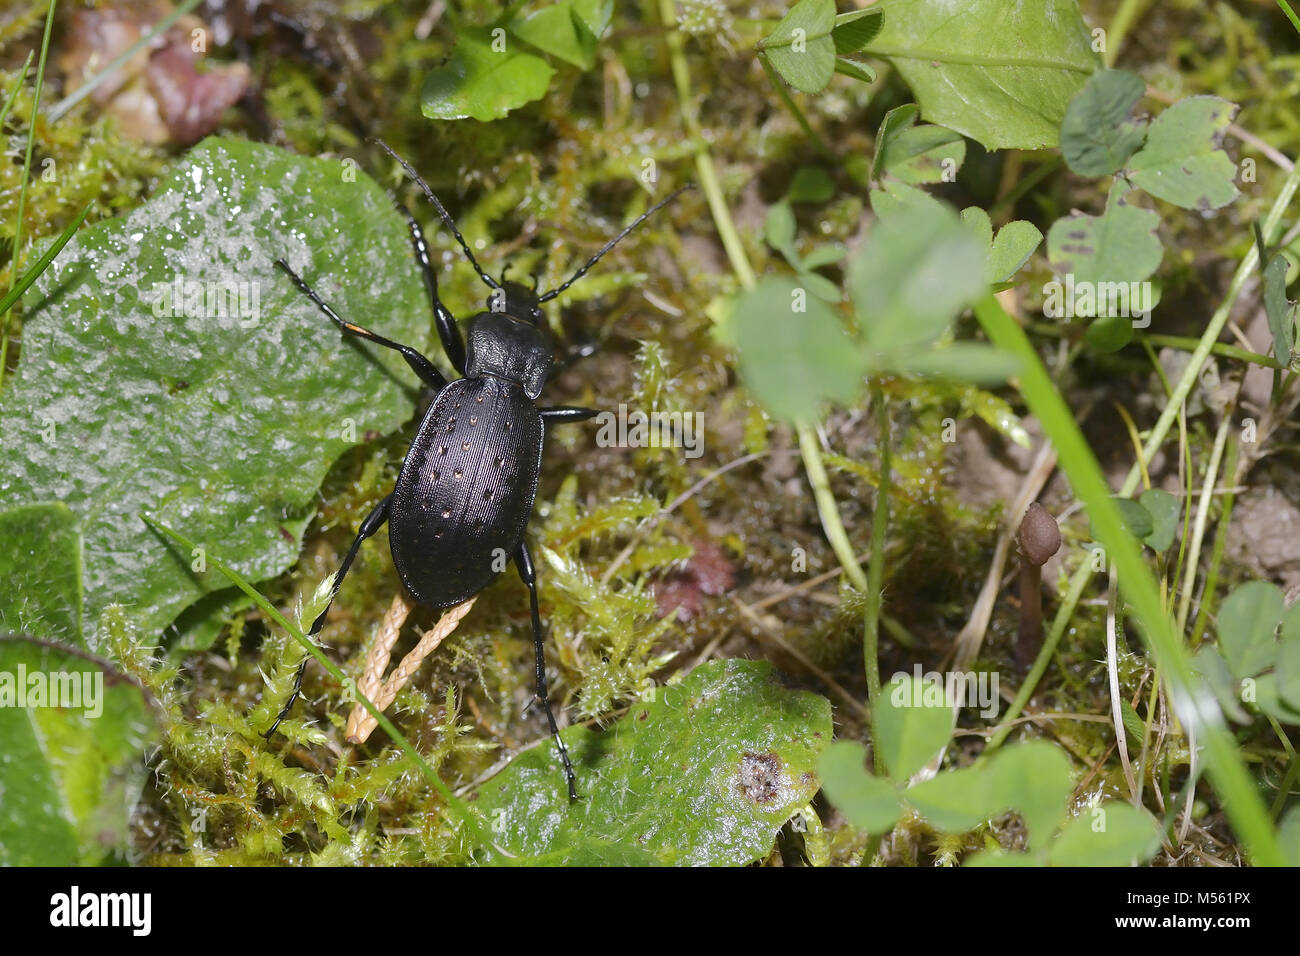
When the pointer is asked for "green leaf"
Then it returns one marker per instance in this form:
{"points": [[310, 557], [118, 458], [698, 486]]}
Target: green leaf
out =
{"points": [[1247, 619], [855, 29], [1165, 511], [1109, 334], [912, 275], [826, 255], [1280, 310], [955, 800], [1137, 520], [1268, 698], [1288, 834], [894, 122], [913, 721], [810, 184], [794, 361], [820, 286], [1213, 671], [868, 802], [1182, 161], [70, 775], [1001, 73], [1113, 834], [1133, 725], [1035, 779], [916, 154], [778, 230], [1015, 243], [1099, 132], [1288, 658], [854, 70], [893, 199], [569, 30], [1120, 245], [132, 399], [1011, 249], [706, 773], [801, 48], [484, 83], [41, 567]]}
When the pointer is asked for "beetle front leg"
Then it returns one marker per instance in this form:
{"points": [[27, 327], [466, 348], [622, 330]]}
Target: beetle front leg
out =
{"points": [[524, 564], [373, 522], [448, 331], [422, 367]]}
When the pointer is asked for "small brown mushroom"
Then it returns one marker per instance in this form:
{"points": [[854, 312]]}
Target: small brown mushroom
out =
{"points": [[1039, 538]]}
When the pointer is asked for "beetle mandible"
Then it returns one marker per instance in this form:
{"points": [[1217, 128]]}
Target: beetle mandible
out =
{"points": [[466, 488]]}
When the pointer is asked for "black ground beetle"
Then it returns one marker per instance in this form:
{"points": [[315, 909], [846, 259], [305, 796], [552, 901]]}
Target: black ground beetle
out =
{"points": [[465, 492]]}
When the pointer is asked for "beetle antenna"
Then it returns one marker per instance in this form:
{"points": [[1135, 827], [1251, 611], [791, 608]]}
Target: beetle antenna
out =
{"points": [[615, 241], [446, 216]]}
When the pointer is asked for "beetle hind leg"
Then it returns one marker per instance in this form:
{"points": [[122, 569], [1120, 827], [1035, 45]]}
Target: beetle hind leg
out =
{"points": [[524, 564], [372, 523]]}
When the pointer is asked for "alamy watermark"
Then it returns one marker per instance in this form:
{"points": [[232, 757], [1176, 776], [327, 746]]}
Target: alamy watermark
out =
{"points": [[638, 429], [932, 689], [79, 690], [241, 301], [1069, 299]]}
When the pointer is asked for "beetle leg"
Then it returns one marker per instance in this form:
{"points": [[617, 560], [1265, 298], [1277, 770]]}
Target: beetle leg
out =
{"points": [[419, 364], [448, 331], [567, 413], [372, 523], [524, 564]]}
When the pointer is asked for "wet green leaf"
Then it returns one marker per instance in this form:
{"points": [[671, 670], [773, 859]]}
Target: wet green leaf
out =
{"points": [[132, 397], [1182, 161], [1099, 132], [1000, 73], [485, 79], [706, 773]]}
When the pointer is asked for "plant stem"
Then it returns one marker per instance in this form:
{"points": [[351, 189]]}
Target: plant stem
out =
{"points": [[876, 570]]}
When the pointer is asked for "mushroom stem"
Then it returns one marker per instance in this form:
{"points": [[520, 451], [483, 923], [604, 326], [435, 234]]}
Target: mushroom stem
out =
{"points": [[1039, 538], [1030, 634]]}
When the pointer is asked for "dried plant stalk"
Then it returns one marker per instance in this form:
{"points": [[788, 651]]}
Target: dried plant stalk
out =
{"points": [[360, 723]]}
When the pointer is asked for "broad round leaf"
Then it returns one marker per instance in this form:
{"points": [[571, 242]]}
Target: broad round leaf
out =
{"points": [[913, 721]]}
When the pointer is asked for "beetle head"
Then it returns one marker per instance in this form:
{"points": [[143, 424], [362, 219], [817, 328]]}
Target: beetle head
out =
{"points": [[518, 302]]}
